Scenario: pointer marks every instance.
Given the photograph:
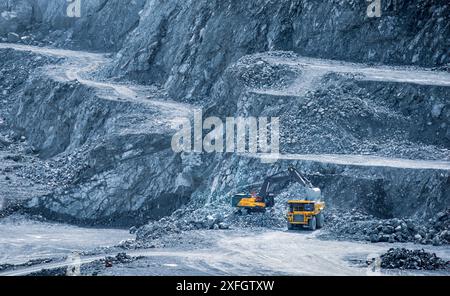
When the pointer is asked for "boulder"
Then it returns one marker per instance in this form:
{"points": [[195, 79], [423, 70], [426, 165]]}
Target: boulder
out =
{"points": [[224, 226], [13, 37]]}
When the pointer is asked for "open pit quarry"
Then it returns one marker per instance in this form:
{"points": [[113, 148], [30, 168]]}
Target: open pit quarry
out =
{"points": [[89, 106]]}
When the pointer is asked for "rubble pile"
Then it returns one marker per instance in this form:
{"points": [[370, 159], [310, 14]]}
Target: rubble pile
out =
{"points": [[355, 225], [269, 219], [185, 219], [27, 39], [121, 258], [260, 74], [33, 262], [217, 217], [350, 225], [412, 259], [328, 113]]}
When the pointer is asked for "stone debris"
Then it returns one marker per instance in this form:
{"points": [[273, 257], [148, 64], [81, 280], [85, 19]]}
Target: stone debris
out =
{"points": [[121, 258], [184, 220], [354, 225], [325, 118], [403, 259], [7, 267]]}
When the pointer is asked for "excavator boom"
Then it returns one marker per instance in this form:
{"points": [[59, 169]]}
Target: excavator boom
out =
{"points": [[265, 199]]}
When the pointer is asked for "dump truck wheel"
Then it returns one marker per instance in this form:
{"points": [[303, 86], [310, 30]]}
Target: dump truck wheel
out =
{"points": [[320, 221], [290, 226], [312, 224]]}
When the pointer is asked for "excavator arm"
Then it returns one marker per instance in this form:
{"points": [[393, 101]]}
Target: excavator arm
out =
{"points": [[293, 176], [265, 199]]}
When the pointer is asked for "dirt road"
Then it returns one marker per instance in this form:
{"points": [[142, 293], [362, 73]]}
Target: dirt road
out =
{"points": [[244, 252], [80, 65]]}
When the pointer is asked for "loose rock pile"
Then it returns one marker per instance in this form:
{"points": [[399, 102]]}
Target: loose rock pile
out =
{"points": [[409, 259], [259, 74], [185, 220], [122, 258], [27, 39], [358, 226], [269, 219], [6, 266], [334, 113], [218, 217], [352, 225]]}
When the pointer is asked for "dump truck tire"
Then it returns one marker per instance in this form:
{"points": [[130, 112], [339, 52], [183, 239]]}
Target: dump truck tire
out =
{"points": [[320, 221], [312, 224], [290, 226]]}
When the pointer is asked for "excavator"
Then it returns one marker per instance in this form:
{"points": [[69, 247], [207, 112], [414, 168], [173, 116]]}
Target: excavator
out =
{"points": [[305, 212]]}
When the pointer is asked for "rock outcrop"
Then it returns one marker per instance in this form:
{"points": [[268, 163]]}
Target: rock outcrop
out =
{"points": [[187, 45], [101, 25], [112, 143]]}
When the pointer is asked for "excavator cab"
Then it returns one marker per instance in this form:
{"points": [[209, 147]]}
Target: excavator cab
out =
{"points": [[305, 214], [248, 203]]}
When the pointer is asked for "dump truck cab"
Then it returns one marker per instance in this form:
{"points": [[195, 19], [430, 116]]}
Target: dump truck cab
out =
{"points": [[305, 214]]}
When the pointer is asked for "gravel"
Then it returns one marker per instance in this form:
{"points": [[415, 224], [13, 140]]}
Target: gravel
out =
{"points": [[401, 258], [184, 219], [92, 268], [359, 226], [7, 267]]}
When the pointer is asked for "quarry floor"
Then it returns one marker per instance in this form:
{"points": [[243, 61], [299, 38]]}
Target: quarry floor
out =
{"points": [[229, 252]]}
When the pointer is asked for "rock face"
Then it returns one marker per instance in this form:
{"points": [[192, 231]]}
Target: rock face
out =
{"points": [[102, 25], [113, 158], [106, 25], [337, 110], [123, 176], [187, 45], [113, 151], [23, 15], [122, 171], [15, 16]]}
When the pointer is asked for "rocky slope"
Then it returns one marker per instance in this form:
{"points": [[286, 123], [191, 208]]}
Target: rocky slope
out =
{"points": [[123, 172], [112, 156], [18, 157], [329, 107], [108, 144], [187, 45]]}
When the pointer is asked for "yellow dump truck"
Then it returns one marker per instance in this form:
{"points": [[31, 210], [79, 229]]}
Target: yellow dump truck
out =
{"points": [[305, 214]]}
